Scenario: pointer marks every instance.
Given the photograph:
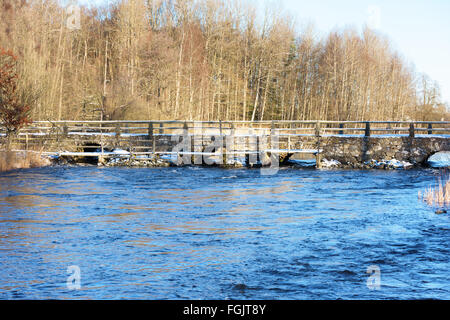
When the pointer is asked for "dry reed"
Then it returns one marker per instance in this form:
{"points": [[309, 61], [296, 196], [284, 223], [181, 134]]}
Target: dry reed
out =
{"points": [[438, 195]]}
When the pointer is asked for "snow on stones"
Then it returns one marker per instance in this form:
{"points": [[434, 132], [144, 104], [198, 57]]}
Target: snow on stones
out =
{"points": [[440, 160]]}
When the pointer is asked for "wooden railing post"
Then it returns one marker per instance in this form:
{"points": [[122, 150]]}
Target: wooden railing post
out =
{"points": [[411, 130], [232, 140], [192, 148], [65, 130], [185, 129], [118, 130], [341, 126], [389, 128], [150, 131], [367, 131], [318, 133], [101, 146], [161, 128], [272, 134], [318, 156], [258, 156], [430, 128], [186, 144], [151, 136]]}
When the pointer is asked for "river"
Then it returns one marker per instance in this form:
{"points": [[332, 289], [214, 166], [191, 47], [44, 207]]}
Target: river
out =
{"points": [[210, 233]]}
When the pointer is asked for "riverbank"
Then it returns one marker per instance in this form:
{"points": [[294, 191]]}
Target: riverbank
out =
{"points": [[392, 164], [125, 160], [13, 160], [122, 158]]}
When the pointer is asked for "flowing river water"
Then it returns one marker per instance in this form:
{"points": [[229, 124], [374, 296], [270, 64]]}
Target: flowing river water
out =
{"points": [[209, 233]]}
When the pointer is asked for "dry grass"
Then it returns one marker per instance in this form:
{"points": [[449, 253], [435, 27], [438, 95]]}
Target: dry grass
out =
{"points": [[439, 195], [11, 160]]}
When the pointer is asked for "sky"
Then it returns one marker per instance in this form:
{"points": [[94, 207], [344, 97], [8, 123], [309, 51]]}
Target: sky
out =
{"points": [[419, 29]]}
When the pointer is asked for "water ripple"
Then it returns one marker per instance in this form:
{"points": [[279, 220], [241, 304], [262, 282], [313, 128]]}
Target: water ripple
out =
{"points": [[191, 233]]}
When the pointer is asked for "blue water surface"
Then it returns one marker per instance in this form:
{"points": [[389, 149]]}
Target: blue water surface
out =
{"points": [[210, 233]]}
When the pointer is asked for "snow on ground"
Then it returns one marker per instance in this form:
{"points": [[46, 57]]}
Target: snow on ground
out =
{"points": [[330, 163], [173, 158], [238, 161], [389, 164], [121, 152], [440, 160]]}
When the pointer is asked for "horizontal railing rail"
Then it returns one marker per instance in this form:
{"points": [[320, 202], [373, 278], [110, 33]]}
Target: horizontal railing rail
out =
{"points": [[279, 127]]}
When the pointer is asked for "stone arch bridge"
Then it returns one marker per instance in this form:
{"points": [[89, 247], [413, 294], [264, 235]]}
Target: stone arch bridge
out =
{"points": [[349, 142]]}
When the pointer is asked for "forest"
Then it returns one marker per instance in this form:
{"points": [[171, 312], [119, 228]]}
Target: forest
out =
{"points": [[205, 60]]}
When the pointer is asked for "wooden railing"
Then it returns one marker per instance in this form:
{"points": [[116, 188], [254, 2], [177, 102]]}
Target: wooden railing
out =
{"points": [[281, 128]]}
